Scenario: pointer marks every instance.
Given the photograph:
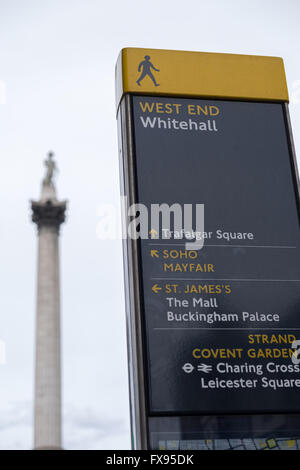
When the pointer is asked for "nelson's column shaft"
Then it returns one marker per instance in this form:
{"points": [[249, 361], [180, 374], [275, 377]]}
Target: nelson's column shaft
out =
{"points": [[48, 213]]}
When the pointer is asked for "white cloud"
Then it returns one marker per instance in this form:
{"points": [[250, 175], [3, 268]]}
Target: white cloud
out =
{"points": [[3, 97], [16, 426], [87, 428]]}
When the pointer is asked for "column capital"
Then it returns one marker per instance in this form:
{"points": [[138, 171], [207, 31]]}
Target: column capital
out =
{"points": [[50, 213]]}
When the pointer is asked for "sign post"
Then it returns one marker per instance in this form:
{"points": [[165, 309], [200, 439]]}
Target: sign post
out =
{"points": [[213, 302]]}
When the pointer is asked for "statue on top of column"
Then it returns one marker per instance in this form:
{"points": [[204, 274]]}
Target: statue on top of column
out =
{"points": [[51, 169]]}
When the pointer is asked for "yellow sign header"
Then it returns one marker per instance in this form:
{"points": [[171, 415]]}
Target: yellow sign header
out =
{"points": [[200, 74]]}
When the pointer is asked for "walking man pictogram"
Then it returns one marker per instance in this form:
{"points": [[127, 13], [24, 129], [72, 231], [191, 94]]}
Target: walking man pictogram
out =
{"points": [[146, 67]]}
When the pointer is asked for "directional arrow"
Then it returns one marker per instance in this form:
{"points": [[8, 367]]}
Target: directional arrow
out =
{"points": [[156, 288], [153, 233], [154, 253]]}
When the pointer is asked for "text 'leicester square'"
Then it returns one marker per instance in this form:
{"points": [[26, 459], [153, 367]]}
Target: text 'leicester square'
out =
{"points": [[213, 305]]}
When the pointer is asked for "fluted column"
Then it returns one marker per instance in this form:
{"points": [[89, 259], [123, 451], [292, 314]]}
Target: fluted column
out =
{"points": [[48, 214]]}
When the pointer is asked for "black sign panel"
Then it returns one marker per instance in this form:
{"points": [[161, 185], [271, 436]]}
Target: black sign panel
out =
{"points": [[220, 321]]}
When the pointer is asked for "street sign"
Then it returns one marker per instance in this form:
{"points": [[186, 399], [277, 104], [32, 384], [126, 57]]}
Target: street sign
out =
{"points": [[213, 329]]}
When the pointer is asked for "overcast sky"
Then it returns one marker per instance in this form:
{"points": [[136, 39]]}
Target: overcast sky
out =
{"points": [[57, 60]]}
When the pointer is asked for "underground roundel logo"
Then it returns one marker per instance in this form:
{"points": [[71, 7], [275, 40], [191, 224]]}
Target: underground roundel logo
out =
{"points": [[145, 68]]}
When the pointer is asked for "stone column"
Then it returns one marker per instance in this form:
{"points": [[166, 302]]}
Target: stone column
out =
{"points": [[48, 213]]}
